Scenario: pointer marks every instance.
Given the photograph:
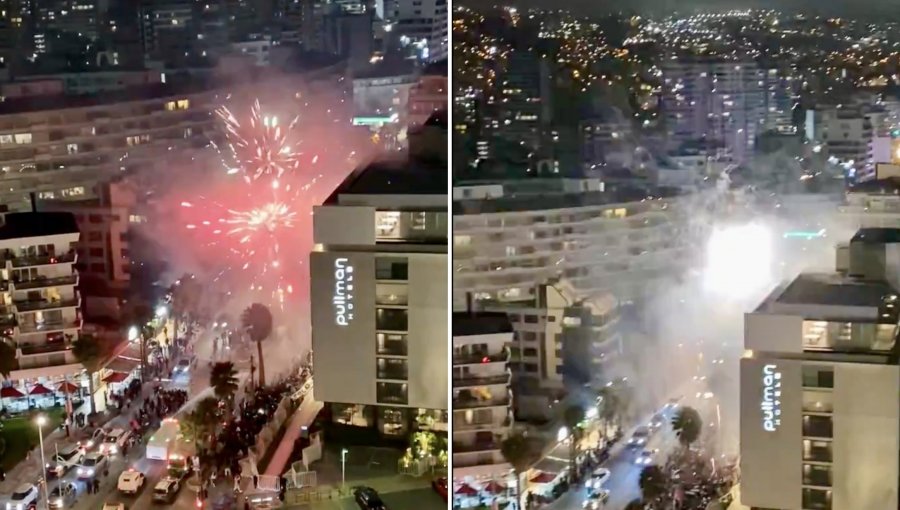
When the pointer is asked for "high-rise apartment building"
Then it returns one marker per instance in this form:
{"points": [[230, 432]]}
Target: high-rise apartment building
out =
{"points": [[379, 308], [41, 311], [482, 399], [720, 103], [518, 117], [820, 417], [420, 25], [61, 26]]}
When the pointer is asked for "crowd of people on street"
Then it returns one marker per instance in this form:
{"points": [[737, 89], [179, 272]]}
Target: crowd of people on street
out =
{"points": [[163, 403]]}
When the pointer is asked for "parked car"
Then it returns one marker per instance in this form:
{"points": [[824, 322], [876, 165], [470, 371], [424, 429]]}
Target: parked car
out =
{"points": [[368, 499], [63, 496], [114, 441], [440, 486], [67, 457], [25, 497], [93, 464], [166, 490], [131, 481]]}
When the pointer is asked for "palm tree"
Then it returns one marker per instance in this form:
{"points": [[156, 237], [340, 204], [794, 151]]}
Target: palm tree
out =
{"points": [[8, 361], [202, 422], [223, 379], [519, 451], [687, 425], [257, 321], [140, 316], [573, 416], [88, 352], [653, 483]]}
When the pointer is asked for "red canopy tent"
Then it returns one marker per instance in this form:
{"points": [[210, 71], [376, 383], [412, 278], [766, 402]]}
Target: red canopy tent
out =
{"points": [[10, 392], [494, 488], [40, 389], [466, 490], [115, 377], [543, 477], [67, 387]]}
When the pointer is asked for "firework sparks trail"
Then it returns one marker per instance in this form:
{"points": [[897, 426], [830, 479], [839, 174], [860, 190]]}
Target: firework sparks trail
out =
{"points": [[260, 147]]}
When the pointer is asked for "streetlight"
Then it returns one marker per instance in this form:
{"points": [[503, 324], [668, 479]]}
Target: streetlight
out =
{"points": [[344, 453], [41, 420]]}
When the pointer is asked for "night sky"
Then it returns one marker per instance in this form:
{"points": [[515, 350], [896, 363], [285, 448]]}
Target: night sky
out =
{"points": [[854, 8]]}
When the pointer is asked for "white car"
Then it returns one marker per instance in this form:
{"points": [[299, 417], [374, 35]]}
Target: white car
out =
{"points": [[640, 436], [114, 441], [24, 498], [96, 438], [645, 458], [113, 506], [68, 457], [598, 478], [131, 481], [93, 464], [183, 366], [596, 500]]}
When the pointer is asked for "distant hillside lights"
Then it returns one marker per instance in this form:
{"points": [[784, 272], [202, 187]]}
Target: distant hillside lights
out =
{"points": [[771, 399], [343, 292]]}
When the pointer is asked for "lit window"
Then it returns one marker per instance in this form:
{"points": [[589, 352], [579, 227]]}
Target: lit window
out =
{"points": [[77, 191], [183, 104], [72, 148], [22, 138]]}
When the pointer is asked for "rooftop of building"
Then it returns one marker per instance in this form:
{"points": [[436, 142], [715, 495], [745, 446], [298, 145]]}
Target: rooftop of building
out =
{"points": [[481, 323], [835, 289], [547, 196], [40, 224], [876, 236], [387, 68]]}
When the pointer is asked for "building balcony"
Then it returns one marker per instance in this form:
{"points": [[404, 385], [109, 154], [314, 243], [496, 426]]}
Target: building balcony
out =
{"points": [[470, 459], [50, 326], [474, 381], [47, 360], [474, 403], [477, 446], [41, 305], [480, 358], [69, 257], [41, 282], [462, 426], [33, 349]]}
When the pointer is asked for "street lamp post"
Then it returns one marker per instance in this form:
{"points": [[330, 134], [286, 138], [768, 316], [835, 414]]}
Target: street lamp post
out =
{"points": [[41, 421], [344, 453]]}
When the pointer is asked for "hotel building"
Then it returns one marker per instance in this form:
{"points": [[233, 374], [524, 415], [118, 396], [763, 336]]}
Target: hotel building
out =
{"points": [[820, 417], [379, 299], [41, 308], [482, 398]]}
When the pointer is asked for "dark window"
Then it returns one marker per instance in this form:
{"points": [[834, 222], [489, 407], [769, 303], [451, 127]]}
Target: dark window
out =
{"points": [[96, 252], [391, 268], [98, 268], [95, 218], [817, 426], [392, 368], [817, 499], [391, 319], [125, 253], [391, 393], [529, 336], [531, 319], [818, 377], [531, 368], [817, 475], [530, 352], [551, 318], [391, 344]]}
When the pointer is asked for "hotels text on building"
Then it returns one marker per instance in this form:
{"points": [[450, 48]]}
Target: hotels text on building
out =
{"points": [[771, 398], [343, 292]]}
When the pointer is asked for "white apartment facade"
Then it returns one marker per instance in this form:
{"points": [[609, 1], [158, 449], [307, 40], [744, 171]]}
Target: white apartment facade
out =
{"points": [[379, 300], [599, 242], [482, 399], [61, 147], [41, 306], [422, 23], [820, 417]]}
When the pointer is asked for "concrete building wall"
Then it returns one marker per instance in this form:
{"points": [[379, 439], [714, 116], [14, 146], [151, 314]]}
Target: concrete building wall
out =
{"points": [[428, 331], [865, 445], [769, 332]]}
